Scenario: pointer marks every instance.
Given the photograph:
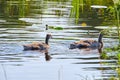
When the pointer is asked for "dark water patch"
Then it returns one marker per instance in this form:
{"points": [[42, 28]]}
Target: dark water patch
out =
{"points": [[6, 59], [100, 68], [95, 62], [8, 54], [79, 58], [14, 23], [108, 76], [9, 58], [30, 54], [15, 64]]}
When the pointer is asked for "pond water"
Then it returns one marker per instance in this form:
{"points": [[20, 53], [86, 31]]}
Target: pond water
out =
{"points": [[60, 63]]}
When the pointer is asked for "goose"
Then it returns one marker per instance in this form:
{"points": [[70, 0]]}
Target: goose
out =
{"points": [[92, 44], [38, 45]]}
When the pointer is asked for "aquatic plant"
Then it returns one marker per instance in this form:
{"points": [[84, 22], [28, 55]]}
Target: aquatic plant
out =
{"points": [[75, 11], [83, 9], [14, 8], [114, 13], [117, 16], [113, 53], [55, 27]]}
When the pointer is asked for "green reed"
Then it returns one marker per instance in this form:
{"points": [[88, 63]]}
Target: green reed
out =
{"points": [[116, 14], [75, 11], [82, 8], [19, 8]]}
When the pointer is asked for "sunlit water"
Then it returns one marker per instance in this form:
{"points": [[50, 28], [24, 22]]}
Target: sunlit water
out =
{"points": [[62, 63]]}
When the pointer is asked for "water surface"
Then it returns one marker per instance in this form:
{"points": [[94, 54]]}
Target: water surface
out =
{"points": [[60, 63]]}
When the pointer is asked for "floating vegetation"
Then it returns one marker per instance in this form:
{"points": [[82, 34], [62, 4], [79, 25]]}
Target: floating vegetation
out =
{"points": [[55, 27], [114, 53]]}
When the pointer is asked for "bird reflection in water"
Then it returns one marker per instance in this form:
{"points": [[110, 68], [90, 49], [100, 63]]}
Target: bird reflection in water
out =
{"points": [[91, 50], [47, 56]]}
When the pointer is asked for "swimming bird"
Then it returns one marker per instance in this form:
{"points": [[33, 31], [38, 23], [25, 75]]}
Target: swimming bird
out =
{"points": [[46, 28], [38, 45], [92, 44]]}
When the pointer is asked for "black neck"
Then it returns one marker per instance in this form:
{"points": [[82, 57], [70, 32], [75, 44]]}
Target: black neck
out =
{"points": [[100, 38], [46, 40]]}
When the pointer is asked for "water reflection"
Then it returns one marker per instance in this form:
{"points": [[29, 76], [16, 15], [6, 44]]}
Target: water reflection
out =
{"points": [[24, 22], [47, 56]]}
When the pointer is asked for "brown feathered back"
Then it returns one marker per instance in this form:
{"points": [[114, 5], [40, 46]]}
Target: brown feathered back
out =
{"points": [[88, 43], [38, 45]]}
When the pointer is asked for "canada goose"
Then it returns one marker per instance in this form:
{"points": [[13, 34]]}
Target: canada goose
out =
{"points": [[38, 45], [93, 44]]}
